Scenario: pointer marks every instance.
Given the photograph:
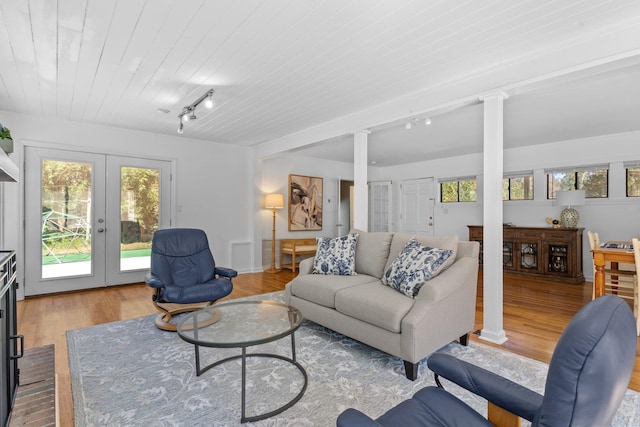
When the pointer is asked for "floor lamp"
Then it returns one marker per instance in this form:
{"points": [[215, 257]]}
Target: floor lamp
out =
{"points": [[273, 202]]}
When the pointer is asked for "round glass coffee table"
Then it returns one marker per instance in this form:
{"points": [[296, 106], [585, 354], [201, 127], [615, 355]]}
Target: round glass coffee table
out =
{"points": [[240, 325]]}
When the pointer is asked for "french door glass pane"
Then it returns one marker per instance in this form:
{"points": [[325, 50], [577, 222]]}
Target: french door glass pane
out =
{"points": [[66, 218], [139, 215]]}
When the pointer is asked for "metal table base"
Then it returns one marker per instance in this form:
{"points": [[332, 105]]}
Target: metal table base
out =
{"points": [[244, 356]]}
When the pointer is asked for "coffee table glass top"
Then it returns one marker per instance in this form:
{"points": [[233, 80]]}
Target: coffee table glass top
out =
{"points": [[241, 324]]}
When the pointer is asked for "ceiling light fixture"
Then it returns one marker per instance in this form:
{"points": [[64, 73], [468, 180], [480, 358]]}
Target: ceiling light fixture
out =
{"points": [[415, 122], [189, 112]]}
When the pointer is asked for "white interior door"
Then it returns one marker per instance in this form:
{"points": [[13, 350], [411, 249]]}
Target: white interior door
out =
{"points": [[89, 218], [417, 206]]}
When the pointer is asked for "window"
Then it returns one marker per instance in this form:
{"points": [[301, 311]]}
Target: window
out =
{"points": [[594, 180], [458, 190], [633, 179], [518, 187]]}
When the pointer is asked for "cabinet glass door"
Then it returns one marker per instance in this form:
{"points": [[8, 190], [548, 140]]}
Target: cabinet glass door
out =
{"points": [[529, 256], [558, 259]]}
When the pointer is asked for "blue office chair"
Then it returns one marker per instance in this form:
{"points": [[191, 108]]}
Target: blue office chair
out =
{"points": [[588, 376], [184, 274]]}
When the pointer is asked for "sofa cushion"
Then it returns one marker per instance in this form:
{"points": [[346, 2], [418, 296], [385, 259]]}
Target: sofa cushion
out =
{"points": [[336, 255], [415, 265], [399, 241], [374, 303], [321, 289], [372, 251]]}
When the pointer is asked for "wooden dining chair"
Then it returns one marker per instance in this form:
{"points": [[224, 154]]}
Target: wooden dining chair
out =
{"points": [[617, 281]]}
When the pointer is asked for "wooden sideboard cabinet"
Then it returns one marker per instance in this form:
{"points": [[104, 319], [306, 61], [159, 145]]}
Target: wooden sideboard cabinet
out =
{"points": [[539, 252]]}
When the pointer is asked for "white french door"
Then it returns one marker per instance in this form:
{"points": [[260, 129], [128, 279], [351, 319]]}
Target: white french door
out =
{"points": [[89, 218]]}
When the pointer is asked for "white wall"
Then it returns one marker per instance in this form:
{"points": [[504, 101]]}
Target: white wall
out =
{"points": [[212, 181], [275, 179]]}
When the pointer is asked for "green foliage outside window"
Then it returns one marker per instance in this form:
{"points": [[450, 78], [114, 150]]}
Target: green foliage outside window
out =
{"points": [[595, 183], [633, 182], [458, 191], [517, 188]]}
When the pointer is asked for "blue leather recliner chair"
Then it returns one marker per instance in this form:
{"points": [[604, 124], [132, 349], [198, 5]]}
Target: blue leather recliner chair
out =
{"points": [[588, 376], [184, 272]]}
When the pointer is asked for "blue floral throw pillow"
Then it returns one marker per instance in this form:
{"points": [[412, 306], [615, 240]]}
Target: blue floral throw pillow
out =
{"points": [[336, 256], [413, 266]]}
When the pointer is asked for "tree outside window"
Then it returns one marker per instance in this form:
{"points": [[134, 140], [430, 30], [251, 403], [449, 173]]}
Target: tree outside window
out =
{"points": [[517, 188], [595, 182], [633, 181], [462, 190]]}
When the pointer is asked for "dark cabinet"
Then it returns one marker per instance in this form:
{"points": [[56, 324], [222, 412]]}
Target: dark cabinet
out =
{"points": [[10, 351], [539, 252]]}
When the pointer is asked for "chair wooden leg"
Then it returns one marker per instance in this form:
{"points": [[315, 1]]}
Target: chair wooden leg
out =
{"points": [[501, 417]]}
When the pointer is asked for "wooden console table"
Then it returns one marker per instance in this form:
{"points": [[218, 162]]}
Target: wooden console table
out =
{"points": [[294, 248], [539, 252]]}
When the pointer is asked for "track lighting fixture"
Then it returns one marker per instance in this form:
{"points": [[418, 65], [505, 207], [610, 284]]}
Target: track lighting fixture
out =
{"points": [[189, 112], [415, 122]]}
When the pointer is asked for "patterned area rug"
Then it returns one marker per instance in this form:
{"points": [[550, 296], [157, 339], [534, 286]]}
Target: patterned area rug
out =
{"points": [[132, 374]]}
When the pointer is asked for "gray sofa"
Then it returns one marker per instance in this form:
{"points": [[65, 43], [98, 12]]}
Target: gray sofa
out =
{"points": [[365, 309]]}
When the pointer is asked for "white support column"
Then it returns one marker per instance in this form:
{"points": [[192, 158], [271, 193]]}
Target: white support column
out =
{"points": [[492, 219], [361, 193]]}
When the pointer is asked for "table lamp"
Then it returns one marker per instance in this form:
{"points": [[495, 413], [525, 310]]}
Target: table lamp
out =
{"points": [[569, 216], [273, 202]]}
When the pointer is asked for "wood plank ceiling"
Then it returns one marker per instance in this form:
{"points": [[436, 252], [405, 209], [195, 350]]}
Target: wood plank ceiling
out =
{"points": [[277, 66]]}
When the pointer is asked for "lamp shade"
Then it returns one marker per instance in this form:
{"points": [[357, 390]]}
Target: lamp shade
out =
{"points": [[570, 198], [273, 201]]}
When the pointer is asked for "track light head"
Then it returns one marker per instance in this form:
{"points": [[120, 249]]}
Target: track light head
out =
{"points": [[209, 101], [427, 121], [408, 126], [181, 127]]}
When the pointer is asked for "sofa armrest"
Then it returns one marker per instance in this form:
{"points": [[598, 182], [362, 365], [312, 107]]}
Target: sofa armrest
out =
{"points": [[306, 265], [444, 310], [449, 281]]}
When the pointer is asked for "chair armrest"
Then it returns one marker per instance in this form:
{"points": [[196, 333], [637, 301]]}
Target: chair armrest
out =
{"points": [[354, 418], [225, 272], [498, 390], [153, 281]]}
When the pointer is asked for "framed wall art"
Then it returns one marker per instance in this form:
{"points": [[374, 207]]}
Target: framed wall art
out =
{"points": [[305, 203]]}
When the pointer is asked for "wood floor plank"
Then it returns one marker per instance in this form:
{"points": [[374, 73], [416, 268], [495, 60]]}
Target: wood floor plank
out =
{"points": [[535, 314]]}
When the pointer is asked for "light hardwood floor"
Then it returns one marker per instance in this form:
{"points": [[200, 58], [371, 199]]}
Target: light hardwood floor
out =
{"points": [[535, 314]]}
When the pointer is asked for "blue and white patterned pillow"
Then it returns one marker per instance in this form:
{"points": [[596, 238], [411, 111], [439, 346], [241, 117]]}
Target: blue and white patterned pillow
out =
{"points": [[413, 266], [336, 256]]}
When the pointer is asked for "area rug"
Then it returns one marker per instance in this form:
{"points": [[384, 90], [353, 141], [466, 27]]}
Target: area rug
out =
{"points": [[130, 373]]}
